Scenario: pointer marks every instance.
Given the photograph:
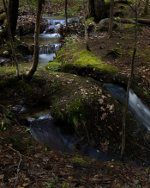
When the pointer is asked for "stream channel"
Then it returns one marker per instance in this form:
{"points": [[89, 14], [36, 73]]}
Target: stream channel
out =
{"points": [[42, 126]]}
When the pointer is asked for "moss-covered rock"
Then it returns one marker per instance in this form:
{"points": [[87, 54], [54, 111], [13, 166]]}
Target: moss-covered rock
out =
{"points": [[76, 59]]}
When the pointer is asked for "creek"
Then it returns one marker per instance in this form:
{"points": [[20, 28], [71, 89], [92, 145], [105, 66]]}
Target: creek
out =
{"points": [[50, 39]]}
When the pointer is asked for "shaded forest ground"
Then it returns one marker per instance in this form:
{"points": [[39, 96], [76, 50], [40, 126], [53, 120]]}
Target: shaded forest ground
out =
{"points": [[39, 167]]}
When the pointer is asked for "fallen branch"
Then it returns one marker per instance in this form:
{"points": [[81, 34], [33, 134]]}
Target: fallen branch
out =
{"points": [[18, 167]]}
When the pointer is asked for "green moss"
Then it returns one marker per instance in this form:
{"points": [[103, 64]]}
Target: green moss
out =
{"points": [[53, 66], [91, 20], [79, 161], [129, 27], [85, 59], [127, 38], [123, 6]]}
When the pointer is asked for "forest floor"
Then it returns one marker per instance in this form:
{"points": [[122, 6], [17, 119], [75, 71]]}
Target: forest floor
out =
{"points": [[33, 165]]}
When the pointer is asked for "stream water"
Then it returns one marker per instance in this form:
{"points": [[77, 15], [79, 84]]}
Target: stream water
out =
{"points": [[50, 39], [136, 106], [44, 130]]}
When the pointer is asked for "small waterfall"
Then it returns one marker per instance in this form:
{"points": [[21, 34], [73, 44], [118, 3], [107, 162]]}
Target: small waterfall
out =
{"points": [[49, 48]]}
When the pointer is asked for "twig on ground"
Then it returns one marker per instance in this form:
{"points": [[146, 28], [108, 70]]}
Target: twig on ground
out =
{"points": [[18, 167]]}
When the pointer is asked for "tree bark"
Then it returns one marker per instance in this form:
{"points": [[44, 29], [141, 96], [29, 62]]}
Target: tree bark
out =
{"points": [[66, 13], [90, 9], [36, 41], [111, 18], [14, 59], [85, 27], [13, 6], [96, 9], [146, 7]]}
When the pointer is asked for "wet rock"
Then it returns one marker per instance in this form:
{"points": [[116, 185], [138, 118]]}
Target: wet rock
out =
{"points": [[4, 61], [19, 109]]}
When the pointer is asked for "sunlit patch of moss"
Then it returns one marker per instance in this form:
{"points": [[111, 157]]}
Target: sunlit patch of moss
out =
{"points": [[53, 66], [91, 20], [85, 59], [79, 161]]}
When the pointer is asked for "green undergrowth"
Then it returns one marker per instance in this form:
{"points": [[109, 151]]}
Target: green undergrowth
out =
{"points": [[79, 161]]}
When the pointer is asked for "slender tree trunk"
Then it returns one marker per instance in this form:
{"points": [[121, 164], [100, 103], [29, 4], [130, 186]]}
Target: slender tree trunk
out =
{"points": [[85, 27], [36, 41], [14, 59], [146, 7], [13, 6], [128, 88], [111, 18], [66, 13]]}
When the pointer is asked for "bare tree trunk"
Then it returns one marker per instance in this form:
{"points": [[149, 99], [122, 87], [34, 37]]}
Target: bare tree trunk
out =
{"points": [[36, 41], [111, 18], [13, 15], [90, 9], [146, 7], [10, 33], [85, 27], [66, 13], [128, 87], [96, 9]]}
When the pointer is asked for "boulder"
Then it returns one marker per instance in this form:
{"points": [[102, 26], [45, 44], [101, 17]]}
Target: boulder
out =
{"points": [[103, 25]]}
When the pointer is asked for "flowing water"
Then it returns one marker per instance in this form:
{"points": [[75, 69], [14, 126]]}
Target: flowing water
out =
{"points": [[136, 106], [50, 39]]}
